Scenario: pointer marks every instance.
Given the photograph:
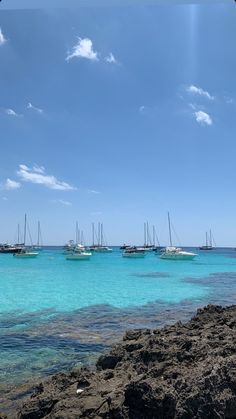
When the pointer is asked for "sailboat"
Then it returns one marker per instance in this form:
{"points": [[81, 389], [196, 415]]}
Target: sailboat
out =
{"points": [[175, 253], [26, 252], [39, 241], [78, 251], [100, 248], [207, 246]]}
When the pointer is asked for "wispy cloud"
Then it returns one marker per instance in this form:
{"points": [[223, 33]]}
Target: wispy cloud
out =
{"points": [[10, 185], [2, 38], [4, 198], [38, 176], [142, 109], [11, 112], [62, 202], [229, 100], [34, 108], [92, 191], [83, 49], [199, 91], [111, 59], [203, 118]]}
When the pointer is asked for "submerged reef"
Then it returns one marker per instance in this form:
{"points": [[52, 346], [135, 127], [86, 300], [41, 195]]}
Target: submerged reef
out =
{"points": [[186, 370]]}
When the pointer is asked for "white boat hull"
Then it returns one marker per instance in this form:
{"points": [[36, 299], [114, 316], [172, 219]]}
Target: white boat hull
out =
{"points": [[26, 255], [103, 250], [79, 256], [178, 256]]}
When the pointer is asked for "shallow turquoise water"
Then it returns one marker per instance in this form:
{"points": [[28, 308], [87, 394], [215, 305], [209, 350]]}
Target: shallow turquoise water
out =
{"points": [[53, 282], [56, 313]]}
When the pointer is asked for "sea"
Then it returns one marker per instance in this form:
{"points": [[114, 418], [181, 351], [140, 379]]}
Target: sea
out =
{"points": [[57, 314]]}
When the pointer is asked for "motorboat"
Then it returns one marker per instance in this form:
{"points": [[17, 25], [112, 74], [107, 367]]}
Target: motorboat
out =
{"points": [[11, 248], [79, 255], [134, 252]]}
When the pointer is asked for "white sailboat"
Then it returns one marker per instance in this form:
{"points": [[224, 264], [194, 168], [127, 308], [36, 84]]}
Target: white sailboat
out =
{"points": [[100, 248], [26, 252], [78, 251], [39, 240], [175, 253]]}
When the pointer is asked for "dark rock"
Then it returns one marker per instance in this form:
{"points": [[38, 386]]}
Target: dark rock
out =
{"points": [[183, 371]]}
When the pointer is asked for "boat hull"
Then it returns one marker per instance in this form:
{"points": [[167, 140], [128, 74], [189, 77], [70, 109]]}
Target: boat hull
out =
{"points": [[101, 250], [134, 255], [26, 255], [81, 256], [177, 256]]}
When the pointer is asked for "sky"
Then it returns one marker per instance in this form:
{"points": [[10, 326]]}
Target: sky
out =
{"points": [[118, 114]]}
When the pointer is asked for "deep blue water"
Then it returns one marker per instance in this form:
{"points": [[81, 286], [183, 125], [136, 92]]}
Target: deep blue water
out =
{"points": [[56, 314]]}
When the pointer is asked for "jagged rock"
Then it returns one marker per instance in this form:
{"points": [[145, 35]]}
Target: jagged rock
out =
{"points": [[183, 371]]}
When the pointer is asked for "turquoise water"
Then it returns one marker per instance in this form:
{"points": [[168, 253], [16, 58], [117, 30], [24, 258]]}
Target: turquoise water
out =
{"points": [[55, 313]]}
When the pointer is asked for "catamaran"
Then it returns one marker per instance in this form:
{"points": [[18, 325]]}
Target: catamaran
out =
{"points": [[175, 253]]}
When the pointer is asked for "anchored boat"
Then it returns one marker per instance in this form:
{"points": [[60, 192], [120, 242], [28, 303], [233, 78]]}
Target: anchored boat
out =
{"points": [[175, 253]]}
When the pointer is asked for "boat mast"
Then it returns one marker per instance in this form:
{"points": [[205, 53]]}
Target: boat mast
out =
{"points": [[169, 229], [25, 230], [93, 232], [101, 234], [206, 239], [153, 236], [148, 235], [210, 241], [145, 234], [82, 237], [76, 232], [18, 233], [38, 232]]}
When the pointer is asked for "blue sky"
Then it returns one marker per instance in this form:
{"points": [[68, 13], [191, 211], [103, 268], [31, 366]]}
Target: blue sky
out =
{"points": [[118, 114]]}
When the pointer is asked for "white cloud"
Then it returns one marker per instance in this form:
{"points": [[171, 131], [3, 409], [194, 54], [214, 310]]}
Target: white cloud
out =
{"points": [[61, 201], [93, 191], [203, 118], [229, 100], [111, 59], [83, 49], [10, 185], [141, 108], [34, 108], [2, 38], [199, 91], [11, 112], [37, 175]]}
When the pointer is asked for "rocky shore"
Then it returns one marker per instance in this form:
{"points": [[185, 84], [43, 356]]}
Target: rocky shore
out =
{"points": [[181, 371]]}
